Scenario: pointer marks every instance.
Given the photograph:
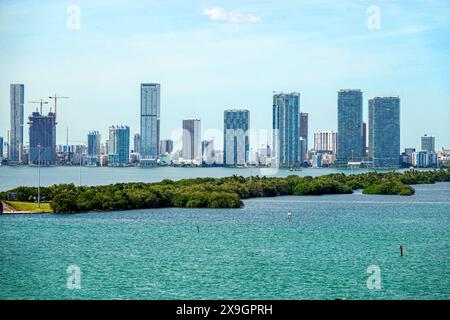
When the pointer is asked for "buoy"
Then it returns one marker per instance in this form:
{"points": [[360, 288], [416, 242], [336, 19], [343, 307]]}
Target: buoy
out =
{"points": [[289, 215]]}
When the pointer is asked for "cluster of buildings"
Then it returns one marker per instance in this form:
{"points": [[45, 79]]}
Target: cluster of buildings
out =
{"points": [[373, 143]]}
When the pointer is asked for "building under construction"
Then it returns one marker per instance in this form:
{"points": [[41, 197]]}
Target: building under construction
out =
{"points": [[42, 138]]}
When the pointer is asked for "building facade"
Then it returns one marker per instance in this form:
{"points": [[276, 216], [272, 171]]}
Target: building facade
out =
{"points": [[42, 134], [384, 131], [150, 122], [325, 141], [208, 152], [303, 133], [1, 148], [93, 149], [364, 140], [137, 143], [119, 146], [285, 125], [192, 143], [350, 126], [236, 142], [166, 146], [428, 143], [15, 149]]}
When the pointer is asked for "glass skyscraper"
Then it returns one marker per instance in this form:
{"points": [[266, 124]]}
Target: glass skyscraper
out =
{"points": [[303, 133], [384, 131], [192, 143], [93, 150], [236, 144], [17, 116], [1, 148], [350, 126], [119, 145], [94, 138], [285, 124], [150, 122]]}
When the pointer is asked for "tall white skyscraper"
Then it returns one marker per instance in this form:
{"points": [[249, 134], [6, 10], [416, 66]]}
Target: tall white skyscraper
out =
{"points": [[150, 122], [16, 133], [192, 143]]}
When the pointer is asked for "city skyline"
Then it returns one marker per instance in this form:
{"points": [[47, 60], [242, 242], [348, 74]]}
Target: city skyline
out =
{"points": [[114, 54]]}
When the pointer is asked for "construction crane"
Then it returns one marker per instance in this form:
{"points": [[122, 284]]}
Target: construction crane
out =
{"points": [[56, 98], [41, 102]]}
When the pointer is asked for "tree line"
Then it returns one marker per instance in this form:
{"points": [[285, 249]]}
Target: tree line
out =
{"points": [[220, 192]]}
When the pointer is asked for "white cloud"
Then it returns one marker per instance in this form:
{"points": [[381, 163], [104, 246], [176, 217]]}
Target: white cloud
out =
{"points": [[220, 14]]}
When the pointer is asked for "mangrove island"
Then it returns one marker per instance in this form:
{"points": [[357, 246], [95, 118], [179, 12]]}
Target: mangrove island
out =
{"points": [[219, 192]]}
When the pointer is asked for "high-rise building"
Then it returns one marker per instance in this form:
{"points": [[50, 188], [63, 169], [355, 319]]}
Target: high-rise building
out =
{"points": [[166, 146], [384, 131], [137, 143], [303, 132], [236, 143], [428, 143], [350, 126], [42, 136], [119, 145], [150, 123], [192, 143], [1, 148], [93, 150], [208, 151], [285, 124], [325, 141], [364, 140], [94, 139], [17, 93]]}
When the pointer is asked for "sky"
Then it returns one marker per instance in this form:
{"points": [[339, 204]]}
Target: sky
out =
{"points": [[210, 56]]}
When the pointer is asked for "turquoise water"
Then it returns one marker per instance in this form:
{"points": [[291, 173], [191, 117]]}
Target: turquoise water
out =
{"points": [[11, 177], [248, 253]]}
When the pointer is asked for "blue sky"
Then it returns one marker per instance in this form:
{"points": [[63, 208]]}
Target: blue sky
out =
{"points": [[214, 55]]}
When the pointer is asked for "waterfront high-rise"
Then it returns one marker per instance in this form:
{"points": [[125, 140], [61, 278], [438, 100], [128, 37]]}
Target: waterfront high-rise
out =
{"points": [[303, 133], [93, 150], [208, 151], [119, 145], [325, 142], [42, 134], [166, 146], [350, 126], [17, 115], [1, 148], [150, 123], [428, 143], [285, 124], [137, 143], [236, 143], [192, 143], [384, 131], [364, 140], [94, 139]]}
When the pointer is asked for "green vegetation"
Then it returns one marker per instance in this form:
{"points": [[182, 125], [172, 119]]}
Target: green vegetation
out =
{"points": [[221, 192], [29, 207]]}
